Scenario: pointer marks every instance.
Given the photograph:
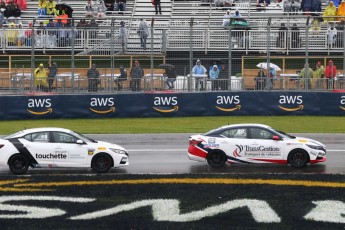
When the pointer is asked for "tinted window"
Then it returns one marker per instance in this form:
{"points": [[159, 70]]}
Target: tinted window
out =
{"points": [[60, 137], [258, 133], [235, 133], [38, 137]]}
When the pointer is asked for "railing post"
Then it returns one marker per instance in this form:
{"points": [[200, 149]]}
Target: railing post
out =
{"points": [[112, 47], [269, 82], [190, 79], [230, 57], [32, 80], [72, 55], [306, 66], [151, 66]]}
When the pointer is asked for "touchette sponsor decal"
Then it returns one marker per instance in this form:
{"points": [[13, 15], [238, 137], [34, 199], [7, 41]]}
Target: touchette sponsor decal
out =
{"points": [[165, 104], [39, 106], [103, 105], [228, 103], [291, 103], [342, 102]]}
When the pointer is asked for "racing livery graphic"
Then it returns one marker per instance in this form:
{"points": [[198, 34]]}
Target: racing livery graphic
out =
{"points": [[57, 147], [254, 143]]}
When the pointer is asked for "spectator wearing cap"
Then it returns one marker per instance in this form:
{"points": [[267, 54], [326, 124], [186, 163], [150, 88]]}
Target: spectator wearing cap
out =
{"points": [[330, 73], [136, 75], [121, 78], [41, 78], [123, 37], [199, 71], [319, 73], [330, 12]]}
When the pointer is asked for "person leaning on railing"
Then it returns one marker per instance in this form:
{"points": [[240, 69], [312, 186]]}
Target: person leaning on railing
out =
{"points": [[319, 73], [93, 78], [330, 73], [303, 75], [40, 77]]}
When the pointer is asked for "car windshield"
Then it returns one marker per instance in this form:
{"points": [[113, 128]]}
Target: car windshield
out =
{"points": [[83, 137], [285, 135], [13, 135]]}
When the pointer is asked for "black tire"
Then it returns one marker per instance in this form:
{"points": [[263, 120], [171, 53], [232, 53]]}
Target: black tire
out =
{"points": [[216, 159], [18, 164], [101, 163], [298, 158]]}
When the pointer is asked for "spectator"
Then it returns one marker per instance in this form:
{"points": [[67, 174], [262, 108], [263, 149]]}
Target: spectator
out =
{"points": [[315, 25], [53, 70], [310, 73], [157, 4], [282, 36], [12, 10], [101, 10], [171, 76], [93, 78], [315, 8], [109, 4], [341, 11], [120, 5], [214, 75], [93, 26], [295, 37], [11, 35], [260, 80], [143, 32], [335, 2], [42, 8], [226, 20], [319, 73], [331, 35], [63, 36], [136, 74], [330, 73], [291, 6], [89, 8], [40, 77], [199, 71], [21, 35], [306, 6], [81, 26], [21, 4], [28, 35], [2, 5], [51, 7], [223, 77], [123, 37], [121, 78], [330, 12]]}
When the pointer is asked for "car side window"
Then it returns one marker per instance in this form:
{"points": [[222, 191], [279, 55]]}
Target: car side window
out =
{"points": [[60, 137], [235, 133], [38, 137], [258, 133]]}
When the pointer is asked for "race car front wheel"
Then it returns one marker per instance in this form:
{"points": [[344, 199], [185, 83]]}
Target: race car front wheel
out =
{"points": [[101, 163], [18, 164], [216, 159], [298, 158]]}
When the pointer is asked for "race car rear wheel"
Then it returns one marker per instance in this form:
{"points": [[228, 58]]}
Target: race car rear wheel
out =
{"points": [[298, 158], [101, 163], [18, 164], [216, 159]]}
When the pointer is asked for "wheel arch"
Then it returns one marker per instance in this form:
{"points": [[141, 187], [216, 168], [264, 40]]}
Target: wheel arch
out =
{"points": [[215, 151], [296, 150], [112, 159]]}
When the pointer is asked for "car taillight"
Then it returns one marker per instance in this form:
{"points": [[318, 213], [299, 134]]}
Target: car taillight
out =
{"points": [[194, 142]]}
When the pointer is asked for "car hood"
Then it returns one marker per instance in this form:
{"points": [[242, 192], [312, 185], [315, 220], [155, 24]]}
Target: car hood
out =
{"points": [[308, 141], [109, 145]]}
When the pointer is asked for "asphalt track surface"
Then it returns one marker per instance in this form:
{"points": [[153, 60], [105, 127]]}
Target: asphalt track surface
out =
{"points": [[167, 154]]}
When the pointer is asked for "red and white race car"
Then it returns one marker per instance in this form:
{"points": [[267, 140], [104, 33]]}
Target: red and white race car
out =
{"points": [[254, 143]]}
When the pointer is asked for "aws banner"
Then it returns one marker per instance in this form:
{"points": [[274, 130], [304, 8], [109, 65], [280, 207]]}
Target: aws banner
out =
{"points": [[170, 105]]}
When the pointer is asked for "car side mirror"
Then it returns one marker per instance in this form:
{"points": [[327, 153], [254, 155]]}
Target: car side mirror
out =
{"points": [[80, 142], [276, 138]]}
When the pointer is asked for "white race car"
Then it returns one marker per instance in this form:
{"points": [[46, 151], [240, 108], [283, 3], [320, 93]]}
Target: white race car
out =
{"points": [[254, 143], [58, 147]]}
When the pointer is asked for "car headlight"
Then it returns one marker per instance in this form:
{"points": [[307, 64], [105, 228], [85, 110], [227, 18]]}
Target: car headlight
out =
{"points": [[317, 147], [118, 151]]}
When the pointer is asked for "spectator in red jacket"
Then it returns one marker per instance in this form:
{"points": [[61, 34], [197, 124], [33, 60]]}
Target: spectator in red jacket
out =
{"points": [[330, 73]]}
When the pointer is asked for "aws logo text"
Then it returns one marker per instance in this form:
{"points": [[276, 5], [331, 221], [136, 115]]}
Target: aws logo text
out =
{"points": [[228, 103], [103, 105], [40, 106], [342, 102], [165, 104], [291, 103]]}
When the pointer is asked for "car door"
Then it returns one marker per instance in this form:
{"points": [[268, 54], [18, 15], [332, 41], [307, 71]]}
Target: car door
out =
{"points": [[262, 147], [40, 146], [69, 153]]}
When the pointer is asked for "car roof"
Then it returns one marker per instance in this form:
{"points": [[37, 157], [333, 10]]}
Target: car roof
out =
{"points": [[33, 130], [246, 125]]}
